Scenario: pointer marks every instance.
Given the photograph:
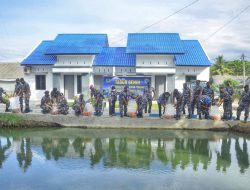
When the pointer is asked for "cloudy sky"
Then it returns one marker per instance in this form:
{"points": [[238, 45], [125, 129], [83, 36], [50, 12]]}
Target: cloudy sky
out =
{"points": [[23, 24]]}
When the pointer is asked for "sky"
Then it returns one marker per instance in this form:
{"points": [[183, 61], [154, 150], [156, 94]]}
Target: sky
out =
{"points": [[24, 24]]}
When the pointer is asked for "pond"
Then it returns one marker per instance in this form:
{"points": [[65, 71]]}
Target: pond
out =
{"points": [[122, 159]]}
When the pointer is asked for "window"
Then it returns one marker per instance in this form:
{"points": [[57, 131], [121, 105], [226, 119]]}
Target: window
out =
{"points": [[79, 84], [40, 82], [190, 78]]}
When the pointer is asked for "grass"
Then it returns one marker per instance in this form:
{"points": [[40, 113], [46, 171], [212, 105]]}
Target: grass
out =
{"points": [[12, 119]]}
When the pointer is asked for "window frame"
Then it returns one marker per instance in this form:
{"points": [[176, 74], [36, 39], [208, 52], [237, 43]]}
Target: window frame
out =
{"points": [[40, 81]]}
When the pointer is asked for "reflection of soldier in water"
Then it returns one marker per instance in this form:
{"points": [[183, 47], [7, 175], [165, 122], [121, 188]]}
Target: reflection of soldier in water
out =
{"points": [[24, 158], [123, 152], [79, 146], [224, 157], [161, 153], [96, 157], [55, 147], [111, 158], [143, 153], [3, 149], [180, 156], [242, 155]]}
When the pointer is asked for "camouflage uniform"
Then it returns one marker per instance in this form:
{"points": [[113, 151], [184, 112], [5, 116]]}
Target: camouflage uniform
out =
{"points": [[227, 101], [178, 97], [195, 101], [4, 100], [209, 92], [62, 106], [205, 102], [26, 92], [54, 96], [141, 104], [148, 93], [162, 102], [46, 104], [186, 100], [123, 102], [112, 97], [78, 106], [99, 98], [244, 104], [19, 93], [230, 91]]}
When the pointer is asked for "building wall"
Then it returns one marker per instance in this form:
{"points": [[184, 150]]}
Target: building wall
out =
{"points": [[103, 70], [154, 60], [31, 77], [202, 73], [124, 71], [74, 60], [8, 86]]}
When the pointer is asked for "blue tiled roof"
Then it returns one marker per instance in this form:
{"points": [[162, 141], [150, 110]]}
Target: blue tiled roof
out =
{"points": [[77, 44], [38, 56], [154, 43], [194, 55], [115, 56]]}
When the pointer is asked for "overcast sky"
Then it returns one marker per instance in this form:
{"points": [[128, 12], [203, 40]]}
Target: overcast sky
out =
{"points": [[24, 23]]}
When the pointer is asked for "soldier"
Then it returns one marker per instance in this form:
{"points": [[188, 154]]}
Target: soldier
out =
{"points": [[244, 103], [141, 102], [112, 97], [186, 100], [54, 95], [177, 96], [79, 105], [46, 104], [162, 102], [230, 90], [94, 93], [4, 100], [205, 103], [123, 101], [226, 99], [148, 91], [196, 94], [19, 92], [26, 93], [208, 91], [62, 106]]}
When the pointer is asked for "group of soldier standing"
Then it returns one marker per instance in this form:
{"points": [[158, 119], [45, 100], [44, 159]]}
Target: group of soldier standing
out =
{"points": [[22, 90], [199, 98]]}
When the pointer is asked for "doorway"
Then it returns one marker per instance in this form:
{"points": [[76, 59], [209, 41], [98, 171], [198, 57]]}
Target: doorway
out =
{"points": [[69, 86]]}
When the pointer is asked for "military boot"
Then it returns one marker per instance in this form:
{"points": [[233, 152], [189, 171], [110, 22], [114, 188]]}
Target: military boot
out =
{"points": [[237, 118], [245, 119], [199, 116]]}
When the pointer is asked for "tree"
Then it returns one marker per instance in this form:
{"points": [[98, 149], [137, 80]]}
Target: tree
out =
{"points": [[220, 68]]}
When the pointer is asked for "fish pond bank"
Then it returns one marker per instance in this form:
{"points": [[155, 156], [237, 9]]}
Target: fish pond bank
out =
{"points": [[33, 120]]}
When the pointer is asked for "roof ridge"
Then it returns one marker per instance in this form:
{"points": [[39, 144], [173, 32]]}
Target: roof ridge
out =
{"points": [[155, 33], [82, 34]]}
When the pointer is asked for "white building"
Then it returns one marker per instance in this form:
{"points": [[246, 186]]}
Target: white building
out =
{"points": [[72, 62]]}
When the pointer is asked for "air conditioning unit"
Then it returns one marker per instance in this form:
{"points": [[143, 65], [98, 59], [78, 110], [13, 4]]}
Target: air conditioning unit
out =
{"points": [[26, 70]]}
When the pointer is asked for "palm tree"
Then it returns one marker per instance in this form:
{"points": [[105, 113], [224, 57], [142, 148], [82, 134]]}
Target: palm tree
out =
{"points": [[220, 68]]}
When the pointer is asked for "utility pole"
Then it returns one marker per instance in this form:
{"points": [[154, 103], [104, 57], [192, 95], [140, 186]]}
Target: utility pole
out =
{"points": [[244, 68]]}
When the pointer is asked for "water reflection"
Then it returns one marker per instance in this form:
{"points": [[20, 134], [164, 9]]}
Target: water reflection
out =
{"points": [[131, 152]]}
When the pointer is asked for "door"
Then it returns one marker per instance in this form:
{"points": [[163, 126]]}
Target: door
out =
{"points": [[69, 86], [160, 85]]}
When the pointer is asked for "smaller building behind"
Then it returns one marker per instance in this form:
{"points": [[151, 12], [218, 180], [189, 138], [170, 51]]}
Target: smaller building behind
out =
{"points": [[8, 74]]}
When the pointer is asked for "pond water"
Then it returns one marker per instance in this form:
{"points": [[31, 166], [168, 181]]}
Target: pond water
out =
{"points": [[122, 159]]}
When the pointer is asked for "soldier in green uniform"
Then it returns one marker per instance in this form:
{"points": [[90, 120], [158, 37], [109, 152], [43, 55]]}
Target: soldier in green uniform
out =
{"points": [[46, 103], [4, 100]]}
